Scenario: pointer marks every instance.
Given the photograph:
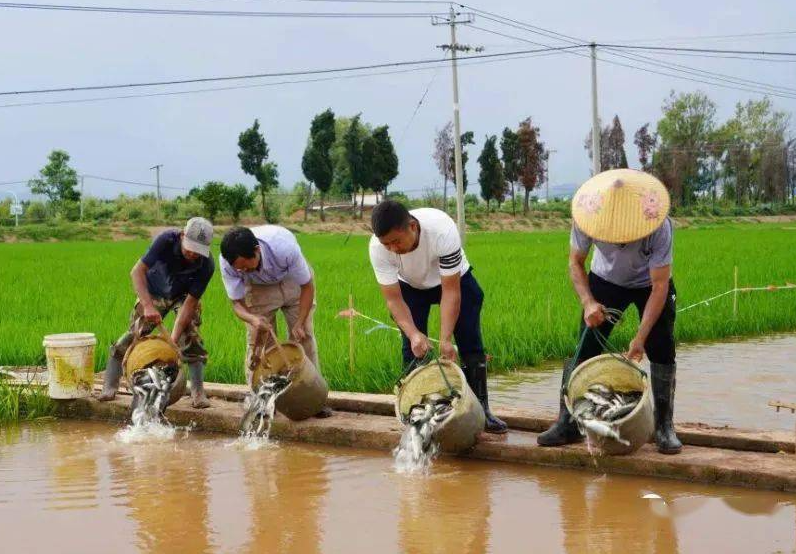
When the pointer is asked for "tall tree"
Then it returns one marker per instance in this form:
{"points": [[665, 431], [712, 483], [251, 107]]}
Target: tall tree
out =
{"points": [[510, 151], [685, 132], [493, 185], [443, 147], [384, 162], [530, 159], [355, 153], [617, 158], [605, 155], [57, 180], [317, 160], [645, 142], [253, 158], [238, 199]]}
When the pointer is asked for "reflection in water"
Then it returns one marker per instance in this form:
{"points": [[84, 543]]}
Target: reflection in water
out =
{"points": [[445, 512], [286, 488], [165, 488], [72, 488]]}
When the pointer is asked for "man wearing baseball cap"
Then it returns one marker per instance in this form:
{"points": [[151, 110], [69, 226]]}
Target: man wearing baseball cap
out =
{"points": [[623, 213], [171, 276]]}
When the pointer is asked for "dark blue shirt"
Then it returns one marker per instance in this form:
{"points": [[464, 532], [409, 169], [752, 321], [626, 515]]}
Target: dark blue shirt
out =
{"points": [[170, 275]]}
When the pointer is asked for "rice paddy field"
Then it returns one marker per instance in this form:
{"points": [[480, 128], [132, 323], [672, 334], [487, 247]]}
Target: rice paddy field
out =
{"points": [[530, 312]]}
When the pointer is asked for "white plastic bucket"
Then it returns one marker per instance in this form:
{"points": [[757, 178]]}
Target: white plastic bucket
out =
{"points": [[70, 363]]}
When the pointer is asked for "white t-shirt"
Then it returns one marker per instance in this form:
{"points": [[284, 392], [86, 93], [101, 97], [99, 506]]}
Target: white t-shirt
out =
{"points": [[439, 253]]}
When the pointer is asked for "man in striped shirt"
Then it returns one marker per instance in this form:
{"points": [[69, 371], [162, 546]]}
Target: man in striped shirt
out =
{"points": [[418, 260]]}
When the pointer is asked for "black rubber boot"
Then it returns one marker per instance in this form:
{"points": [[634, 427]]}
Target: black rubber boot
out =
{"points": [[110, 383], [474, 367], [663, 382], [564, 430]]}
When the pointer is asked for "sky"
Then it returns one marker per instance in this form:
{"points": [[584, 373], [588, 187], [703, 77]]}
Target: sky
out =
{"points": [[194, 136]]}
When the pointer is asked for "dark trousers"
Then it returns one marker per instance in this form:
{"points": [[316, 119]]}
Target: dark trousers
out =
{"points": [[467, 331], [660, 343]]}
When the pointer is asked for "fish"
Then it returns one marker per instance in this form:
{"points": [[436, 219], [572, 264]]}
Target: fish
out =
{"points": [[260, 405], [618, 412], [604, 430]]}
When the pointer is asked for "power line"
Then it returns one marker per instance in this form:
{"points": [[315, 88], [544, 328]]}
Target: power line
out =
{"points": [[13, 183], [216, 13], [781, 34], [261, 85], [417, 107], [689, 49], [124, 182], [279, 74]]}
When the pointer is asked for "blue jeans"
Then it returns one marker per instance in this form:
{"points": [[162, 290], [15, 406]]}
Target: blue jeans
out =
{"points": [[467, 331]]}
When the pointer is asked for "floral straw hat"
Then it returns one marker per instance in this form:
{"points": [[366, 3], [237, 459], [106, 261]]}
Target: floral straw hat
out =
{"points": [[620, 206]]}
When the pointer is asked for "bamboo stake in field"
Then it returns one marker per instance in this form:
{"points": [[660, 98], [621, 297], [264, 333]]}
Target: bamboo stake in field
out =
{"points": [[735, 295], [351, 333]]}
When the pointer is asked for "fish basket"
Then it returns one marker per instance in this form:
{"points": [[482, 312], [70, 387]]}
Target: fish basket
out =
{"points": [[459, 431], [622, 375], [308, 391], [150, 350]]}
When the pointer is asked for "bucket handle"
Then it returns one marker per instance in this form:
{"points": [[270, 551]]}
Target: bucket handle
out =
{"points": [[259, 349], [414, 364]]}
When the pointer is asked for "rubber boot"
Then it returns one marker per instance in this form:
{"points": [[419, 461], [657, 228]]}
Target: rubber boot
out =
{"points": [[476, 376], [663, 382], [110, 383], [198, 396], [564, 430]]}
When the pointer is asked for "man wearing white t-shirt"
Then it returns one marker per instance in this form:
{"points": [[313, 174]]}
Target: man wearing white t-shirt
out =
{"points": [[418, 260]]}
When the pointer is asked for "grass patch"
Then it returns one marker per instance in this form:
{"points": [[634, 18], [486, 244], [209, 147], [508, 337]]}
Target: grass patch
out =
{"points": [[530, 312], [23, 402]]}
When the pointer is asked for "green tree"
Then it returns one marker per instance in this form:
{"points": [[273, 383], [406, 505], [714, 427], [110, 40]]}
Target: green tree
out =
{"points": [[253, 158], [510, 151], [384, 167], [493, 184], [213, 196], [316, 163], [57, 180], [359, 151], [685, 132], [238, 200], [467, 139], [646, 143]]}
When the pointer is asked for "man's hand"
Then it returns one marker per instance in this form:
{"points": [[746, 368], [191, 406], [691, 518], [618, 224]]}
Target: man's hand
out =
{"points": [[299, 332], [261, 325], [447, 351], [420, 345], [635, 351], [151, 315], [594, 314]]}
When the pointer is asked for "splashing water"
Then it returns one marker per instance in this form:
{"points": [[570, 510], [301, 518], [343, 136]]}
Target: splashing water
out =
{"points": [[151, 391], [259, 408], [419, 445]]}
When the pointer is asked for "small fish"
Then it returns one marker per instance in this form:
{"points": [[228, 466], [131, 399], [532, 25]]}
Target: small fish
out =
{"points": [[619, 412], [604, 430], [601, 389], [596, 399]]}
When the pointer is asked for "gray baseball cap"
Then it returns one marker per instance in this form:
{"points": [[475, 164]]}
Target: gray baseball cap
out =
{"points": [[198, 235]]}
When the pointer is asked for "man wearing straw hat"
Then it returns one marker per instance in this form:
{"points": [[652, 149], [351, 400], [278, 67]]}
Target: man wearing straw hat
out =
{"points": [[623, 213], [419, 261], [171, 276], [264, 271]]}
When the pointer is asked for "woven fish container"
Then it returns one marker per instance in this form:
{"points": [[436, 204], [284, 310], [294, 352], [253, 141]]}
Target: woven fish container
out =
{"points": [[150, 350], [621, 375], [460, 430], [308, 391]]}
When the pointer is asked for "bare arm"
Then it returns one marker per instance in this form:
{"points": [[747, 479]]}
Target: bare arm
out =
{"points": [[403, 317], [138, 276], [243, 313], [449, 307], [593, 313], [307, 296], [184, 317], [652, 311]]}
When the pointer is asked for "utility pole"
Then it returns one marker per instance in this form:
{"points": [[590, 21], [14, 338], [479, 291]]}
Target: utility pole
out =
{"points": [[454, 47], [157, 170], [595, 117], [81, 198], [547, 183]]}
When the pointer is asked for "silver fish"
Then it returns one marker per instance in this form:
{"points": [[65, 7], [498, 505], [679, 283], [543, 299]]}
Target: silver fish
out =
{"points": [[603, 430]]}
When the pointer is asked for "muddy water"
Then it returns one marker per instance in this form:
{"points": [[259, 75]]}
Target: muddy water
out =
{"points": [[720, 384], [72, 487]]}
